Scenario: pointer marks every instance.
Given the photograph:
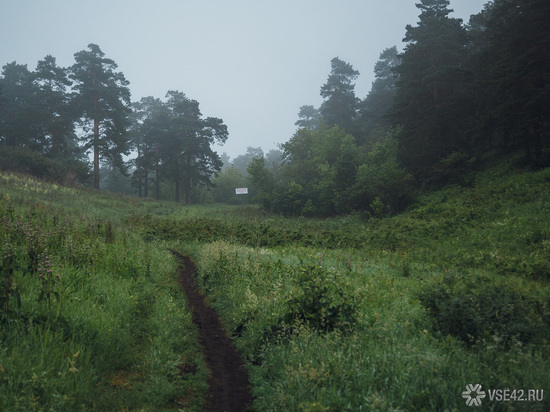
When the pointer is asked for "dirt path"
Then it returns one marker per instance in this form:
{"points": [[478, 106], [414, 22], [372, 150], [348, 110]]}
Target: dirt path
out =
{"points": [[228, 385]]}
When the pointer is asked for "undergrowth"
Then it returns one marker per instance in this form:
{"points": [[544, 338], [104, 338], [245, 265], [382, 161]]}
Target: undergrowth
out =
{"points": [[391, 355], [388, 314], [91, 316], [499, 224], [475, 310], [347, 313]]}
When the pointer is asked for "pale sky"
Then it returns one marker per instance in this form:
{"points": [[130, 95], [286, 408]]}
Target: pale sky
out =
{"points": [[251, 63]]}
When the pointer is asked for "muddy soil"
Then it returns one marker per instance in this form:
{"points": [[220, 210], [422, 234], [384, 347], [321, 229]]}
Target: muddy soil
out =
{"points": [[228, 384]]}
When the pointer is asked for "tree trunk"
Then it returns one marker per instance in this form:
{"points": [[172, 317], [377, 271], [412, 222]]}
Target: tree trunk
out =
{"points": [[177, 181], [96, 138], [139, 174], [188, 180], [146, 182], [157, 191], [96, 154]]}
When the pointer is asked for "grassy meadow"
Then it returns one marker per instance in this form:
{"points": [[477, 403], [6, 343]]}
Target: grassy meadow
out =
{"points": [[401, 313], [347, 313], [92, 316]]}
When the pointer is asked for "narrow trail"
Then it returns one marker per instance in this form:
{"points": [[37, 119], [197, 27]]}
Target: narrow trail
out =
{"points": [[228, 384]]}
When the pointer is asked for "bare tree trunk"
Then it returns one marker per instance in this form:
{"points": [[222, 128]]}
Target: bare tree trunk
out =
{"points": [[146, 182], [139, 173], [96, 138], [177, 181], [188, 180], [157, 191], [96, 154]]}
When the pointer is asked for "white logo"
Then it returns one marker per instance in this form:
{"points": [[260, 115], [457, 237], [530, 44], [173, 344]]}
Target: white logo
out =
{"points": [[476, 391]]}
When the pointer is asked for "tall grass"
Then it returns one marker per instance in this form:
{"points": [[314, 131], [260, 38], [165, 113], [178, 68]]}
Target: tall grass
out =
{"points": [[115, 333], [391, 358], [410, 346], [348, 313]]}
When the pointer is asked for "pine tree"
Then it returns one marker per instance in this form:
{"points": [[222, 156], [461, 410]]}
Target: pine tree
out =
{"points": [[187, 148], [511, 58], [432, 87], [340, 105], [374, 108], [18, 126], [54, 114], [102, 101], [309, 117]]}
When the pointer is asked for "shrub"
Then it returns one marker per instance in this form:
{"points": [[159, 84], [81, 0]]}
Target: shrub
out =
{"points": [[474, 311], [323, 301], [23, 160]]}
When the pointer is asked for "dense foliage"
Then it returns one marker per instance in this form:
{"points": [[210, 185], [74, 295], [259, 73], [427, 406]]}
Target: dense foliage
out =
{"points": [[62, 114], [454, 95], [391, 313], [172, 139], [330, 314]]}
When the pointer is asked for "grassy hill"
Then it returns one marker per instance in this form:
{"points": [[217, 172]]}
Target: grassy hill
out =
{"points": [[92, 317], [347, 313], [396, 313]]}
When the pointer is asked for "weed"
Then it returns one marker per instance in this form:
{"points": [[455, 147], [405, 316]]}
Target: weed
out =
{"points": [[48, 282]]}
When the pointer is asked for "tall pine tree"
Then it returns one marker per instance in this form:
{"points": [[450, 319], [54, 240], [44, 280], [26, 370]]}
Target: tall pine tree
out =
{"points": [[102, 101], [54, 112], [373, 109], [432, 88], [187, 148], [340, 105], [511, 59], [18, 126]]}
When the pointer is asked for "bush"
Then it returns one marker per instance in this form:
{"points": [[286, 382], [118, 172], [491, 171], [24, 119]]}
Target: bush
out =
{"points": [[323, 301], [23, 160], [382, 185], [474, 311]]}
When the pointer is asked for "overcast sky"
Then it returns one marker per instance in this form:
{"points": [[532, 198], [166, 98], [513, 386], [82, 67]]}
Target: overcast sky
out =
{"points": [[252, 63]]}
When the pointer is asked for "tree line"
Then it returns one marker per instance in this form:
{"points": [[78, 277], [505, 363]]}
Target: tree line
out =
{"points": [[51, 118], [457, 94]]}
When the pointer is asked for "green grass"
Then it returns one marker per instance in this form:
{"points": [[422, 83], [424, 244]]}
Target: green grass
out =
{"points": [[492, 238], [392, 359], [497, 224], [118, 335], [346, 313]]}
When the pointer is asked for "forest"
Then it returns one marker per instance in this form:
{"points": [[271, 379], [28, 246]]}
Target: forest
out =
{"points": [[456, 96]]}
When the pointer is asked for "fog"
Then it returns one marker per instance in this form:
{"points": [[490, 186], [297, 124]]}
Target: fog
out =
{"points": [[252, 63]]}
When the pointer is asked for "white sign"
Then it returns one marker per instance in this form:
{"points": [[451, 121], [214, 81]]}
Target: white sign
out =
{"points": [[241, 191]]}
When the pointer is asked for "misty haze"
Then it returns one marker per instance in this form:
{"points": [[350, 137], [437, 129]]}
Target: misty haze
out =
{"points": [[288, 206]]}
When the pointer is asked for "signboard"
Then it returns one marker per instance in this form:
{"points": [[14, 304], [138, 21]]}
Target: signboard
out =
{"points": [[241, 191]]}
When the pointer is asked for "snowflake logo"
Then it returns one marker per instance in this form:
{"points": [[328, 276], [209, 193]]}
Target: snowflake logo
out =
{"points": [[473, 394]]}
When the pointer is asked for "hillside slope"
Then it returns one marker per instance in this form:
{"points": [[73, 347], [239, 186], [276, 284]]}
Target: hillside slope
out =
{"points": [[92, 317]]}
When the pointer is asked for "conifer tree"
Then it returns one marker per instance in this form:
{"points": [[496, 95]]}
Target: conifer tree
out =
{"points": [[187, 148], [54, 111], [340, 105], [102, 101], [431, 90]]}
